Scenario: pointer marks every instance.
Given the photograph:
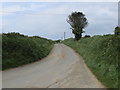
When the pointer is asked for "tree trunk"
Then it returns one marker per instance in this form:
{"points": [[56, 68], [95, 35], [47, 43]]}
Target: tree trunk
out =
{"points": [[78, 36]]}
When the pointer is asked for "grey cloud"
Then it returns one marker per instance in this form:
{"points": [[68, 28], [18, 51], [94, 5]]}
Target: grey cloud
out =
{"points": [[51, 22]]}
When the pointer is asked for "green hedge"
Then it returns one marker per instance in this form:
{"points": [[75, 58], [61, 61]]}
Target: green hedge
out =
{"points": [[18, 49], [101, 54]]}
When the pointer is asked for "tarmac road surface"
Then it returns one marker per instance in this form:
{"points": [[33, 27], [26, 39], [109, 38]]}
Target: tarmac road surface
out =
{"points": [[62, 68]]}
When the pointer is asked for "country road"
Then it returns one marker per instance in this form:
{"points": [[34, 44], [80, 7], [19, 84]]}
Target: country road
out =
{"points": [[62, 68]]}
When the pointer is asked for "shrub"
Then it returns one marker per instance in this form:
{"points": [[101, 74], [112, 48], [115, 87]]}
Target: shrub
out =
{"points": [[117, 31], [101, 54], [58, 41], [14, 34], [86, 36], [19, 49]]}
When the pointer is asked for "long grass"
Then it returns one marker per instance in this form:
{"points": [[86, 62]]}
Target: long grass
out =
{"points": [[18, 49], [101, 54]]}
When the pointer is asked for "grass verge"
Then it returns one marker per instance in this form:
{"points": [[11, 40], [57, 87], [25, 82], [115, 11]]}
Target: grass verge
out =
{"points": [[101, 54]]}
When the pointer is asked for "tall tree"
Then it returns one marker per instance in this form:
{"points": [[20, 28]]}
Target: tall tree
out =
{"points": [[78, 21], [117, 31]]}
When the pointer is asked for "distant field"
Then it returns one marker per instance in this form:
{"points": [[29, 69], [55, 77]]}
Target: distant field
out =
{"points": [[18, 49], [101, 54]]}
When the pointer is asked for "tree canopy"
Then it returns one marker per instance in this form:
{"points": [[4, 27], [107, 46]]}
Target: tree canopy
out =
{"points": [[117, 31], [78, 21]]}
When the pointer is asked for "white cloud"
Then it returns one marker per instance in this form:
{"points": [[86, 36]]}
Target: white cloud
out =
{"points": [[44, 25], [59, 1], [33, 6], [17, 8], [14, 8], [51, 22]]}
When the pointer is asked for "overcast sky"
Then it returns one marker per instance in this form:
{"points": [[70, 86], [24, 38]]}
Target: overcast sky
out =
{"points": [[48, 19]]}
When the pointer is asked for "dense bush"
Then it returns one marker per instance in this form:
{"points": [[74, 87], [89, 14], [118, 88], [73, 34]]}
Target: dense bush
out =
{"points": [[86, 36], [58, 41], [101, 54], [18, 49], [117, 31]]}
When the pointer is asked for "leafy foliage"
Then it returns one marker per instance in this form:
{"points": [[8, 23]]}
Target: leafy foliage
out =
{"points": [[86, 36], [19, 49], [101, 54], [78, 21], [117, 31]]}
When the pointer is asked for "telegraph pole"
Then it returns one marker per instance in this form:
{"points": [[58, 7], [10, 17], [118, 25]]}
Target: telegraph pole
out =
{"points": [[64, 35]]}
